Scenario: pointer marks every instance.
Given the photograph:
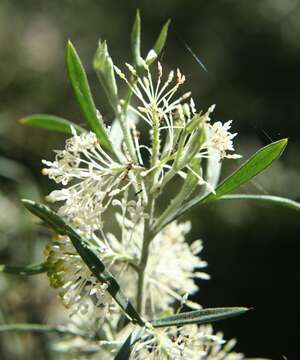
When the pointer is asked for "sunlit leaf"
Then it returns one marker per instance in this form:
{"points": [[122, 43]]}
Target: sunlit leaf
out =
{"points": [[83, 94], [159, 44], [136, 40], [104, 68], [247, 171], [199, 316], [52, 123], [252, 167]]}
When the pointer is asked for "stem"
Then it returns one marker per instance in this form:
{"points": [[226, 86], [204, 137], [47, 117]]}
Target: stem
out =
{"points": [[151, 205], [40, 328], [143, 262], [141, 277], [155, 140]]}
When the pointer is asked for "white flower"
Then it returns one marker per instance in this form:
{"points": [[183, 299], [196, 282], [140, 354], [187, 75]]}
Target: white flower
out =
{"points": [[172, 264], [162, 110], [219, 138], [190, 342], [156, 97], [77, 284], [91, 178], [158, 103]]}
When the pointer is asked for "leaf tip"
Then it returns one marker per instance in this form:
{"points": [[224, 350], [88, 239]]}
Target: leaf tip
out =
{"points": [[138, 14], [241, 310], [22, 121], [245, 309], [27, 202], [70, 48], [285, 140], [69, 43], [283, 143], [168, 22]]}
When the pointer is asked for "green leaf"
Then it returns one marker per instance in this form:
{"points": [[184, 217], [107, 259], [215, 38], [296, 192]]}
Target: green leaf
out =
{"points": [[104, 67], [82, 91], [62, 330], [193, 317], [199, 316], [276, 200], [52, 123], [95, 264], [252, 167], [136, 40], [126, 349], [159, 44], [32, 269]]}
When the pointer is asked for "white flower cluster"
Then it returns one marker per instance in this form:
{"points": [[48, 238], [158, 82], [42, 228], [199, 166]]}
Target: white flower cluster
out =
{"points": [[78, 286], [113, 203], [187, 343], [172, 266], [157, 100], [91, 178]]}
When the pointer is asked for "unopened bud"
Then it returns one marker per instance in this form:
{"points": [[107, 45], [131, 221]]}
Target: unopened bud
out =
{"points": [[171, 76], [146, 82], [159, 68], [131, 69]]}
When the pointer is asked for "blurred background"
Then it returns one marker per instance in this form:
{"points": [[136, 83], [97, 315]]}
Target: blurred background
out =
{"points": [[251, 51]]}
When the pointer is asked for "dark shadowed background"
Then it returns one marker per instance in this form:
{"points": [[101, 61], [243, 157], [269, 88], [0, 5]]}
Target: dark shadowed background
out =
{"points": [[251, 50]]}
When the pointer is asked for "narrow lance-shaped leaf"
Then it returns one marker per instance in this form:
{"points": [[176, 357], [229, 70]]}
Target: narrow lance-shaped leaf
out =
{"points": [[52, 123], [41, 328], [136, 40], [95, 264], [199, 316], [252, 167], [82, 91], [159, 44], [126, 349], [268, 199], [32, 269], [202, 316], [256, 164], [104, 68]]}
